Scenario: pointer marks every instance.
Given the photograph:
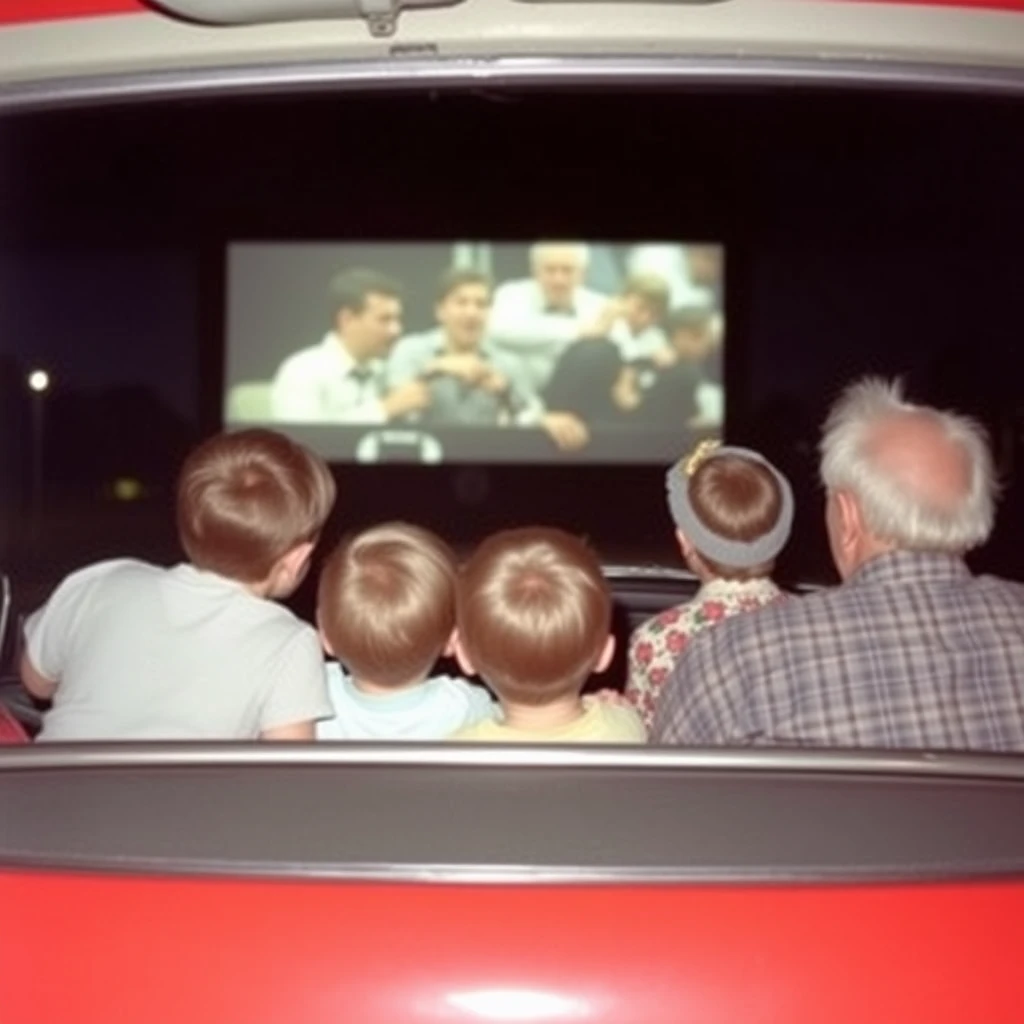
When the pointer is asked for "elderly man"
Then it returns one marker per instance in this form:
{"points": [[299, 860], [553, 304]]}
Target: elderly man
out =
{"points": [[536, 319], [912, 650]]}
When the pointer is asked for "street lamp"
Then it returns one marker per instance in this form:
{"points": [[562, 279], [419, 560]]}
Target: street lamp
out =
{"points": [[39, 384]]}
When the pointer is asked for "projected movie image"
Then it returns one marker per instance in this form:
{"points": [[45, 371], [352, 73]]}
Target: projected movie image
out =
{"points": [[478, 352]]}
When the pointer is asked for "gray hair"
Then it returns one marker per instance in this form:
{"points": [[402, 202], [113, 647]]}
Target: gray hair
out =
{"points": [[580, 249], [890, 511]]}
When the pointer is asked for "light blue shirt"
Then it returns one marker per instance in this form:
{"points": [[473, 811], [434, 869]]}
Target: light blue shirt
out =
{"points": [[431, 710], [452, 402]]}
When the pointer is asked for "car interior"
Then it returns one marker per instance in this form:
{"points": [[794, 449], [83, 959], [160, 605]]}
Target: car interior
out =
{"points": [[868, 214], [864, 230]]}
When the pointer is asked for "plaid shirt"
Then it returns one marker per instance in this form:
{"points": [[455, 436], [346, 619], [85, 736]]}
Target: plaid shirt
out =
{"points": [[912, 651]]}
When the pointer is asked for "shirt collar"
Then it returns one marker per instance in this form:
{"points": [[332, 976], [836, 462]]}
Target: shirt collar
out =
{"points": [[340, 358], [910, 566], [718, 588], [439, 343], [190, 573], [406, 698]]}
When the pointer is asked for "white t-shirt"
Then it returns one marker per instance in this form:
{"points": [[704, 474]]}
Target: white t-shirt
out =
{"points": [[147, 653], [433, 710], [525, 330]]}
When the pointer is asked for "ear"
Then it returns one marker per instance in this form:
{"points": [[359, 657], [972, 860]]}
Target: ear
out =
{"points": [[685, 547], [850, 521], [460, 654], [296, 562], [607, 653], [290, 570], [324, 642], [449, 648]]}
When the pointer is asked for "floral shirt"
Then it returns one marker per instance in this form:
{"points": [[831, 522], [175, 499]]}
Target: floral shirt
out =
{"points": [[656, 645]]}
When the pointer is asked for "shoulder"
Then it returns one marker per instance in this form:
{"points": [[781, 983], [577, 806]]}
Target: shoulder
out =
{"points": [[1009, 590], [112, 571], [304, 359], [619, 722], [515, 289], [459, 689], [672, 620], [274, 622], [483, 730], [422, 343], [744, 633]]}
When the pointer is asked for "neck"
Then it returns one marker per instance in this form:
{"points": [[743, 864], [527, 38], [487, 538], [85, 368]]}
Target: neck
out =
{"points": [[531, 718], [459, 348], [372, 689], [347, 346], [867, 551]]}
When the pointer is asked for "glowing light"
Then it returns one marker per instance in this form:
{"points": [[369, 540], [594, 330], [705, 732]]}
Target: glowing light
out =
{"points": [[519, 1004], [126, 488], [39, 380]]}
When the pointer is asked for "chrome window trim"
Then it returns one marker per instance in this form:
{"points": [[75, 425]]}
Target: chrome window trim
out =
{"points": [[372, 75], [71, 756]]}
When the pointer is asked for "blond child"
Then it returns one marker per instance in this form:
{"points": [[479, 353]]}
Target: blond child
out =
{"points": [[534, 616], [386, 611]]}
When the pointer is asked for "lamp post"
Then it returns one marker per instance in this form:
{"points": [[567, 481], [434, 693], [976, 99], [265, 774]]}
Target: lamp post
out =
{"points": [[39, 384]]}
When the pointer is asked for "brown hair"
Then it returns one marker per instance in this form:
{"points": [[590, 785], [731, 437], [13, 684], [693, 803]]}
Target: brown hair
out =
{"points": [[248, 498], [689, 318], [350, 289], [737, 499], [652, 289], [386, 603], [534, 611], [459, 278]]}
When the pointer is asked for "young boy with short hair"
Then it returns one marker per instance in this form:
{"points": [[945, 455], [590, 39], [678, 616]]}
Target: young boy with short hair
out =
{"points": [[386, 610], [643, 304], [678, 386], [133, 651], [534, 619]]}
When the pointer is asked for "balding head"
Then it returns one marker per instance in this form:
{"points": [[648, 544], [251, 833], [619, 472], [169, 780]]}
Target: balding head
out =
{"points": [[920, 479], [559, 268]]}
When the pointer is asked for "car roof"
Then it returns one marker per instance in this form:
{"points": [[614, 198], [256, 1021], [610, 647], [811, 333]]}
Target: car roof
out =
{"points": [[87, 49]]}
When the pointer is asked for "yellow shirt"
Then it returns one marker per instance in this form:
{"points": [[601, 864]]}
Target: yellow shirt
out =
{"points": [[600, 723]]}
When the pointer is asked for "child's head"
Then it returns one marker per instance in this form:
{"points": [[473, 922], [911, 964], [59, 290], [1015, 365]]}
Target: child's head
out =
{"points": [[691, 332], [645, 300], [386, 604], [534, 614], [733, 510], [251, 506]]}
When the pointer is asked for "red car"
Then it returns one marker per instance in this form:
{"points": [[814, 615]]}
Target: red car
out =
{"points": [[207, 884]]}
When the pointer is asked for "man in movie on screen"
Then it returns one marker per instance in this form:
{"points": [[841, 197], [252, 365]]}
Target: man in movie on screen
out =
{"points": [[342, 380], [536, 319], [471, 382]]}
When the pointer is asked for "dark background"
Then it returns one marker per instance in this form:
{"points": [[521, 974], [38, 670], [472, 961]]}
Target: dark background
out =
{"points": [[864, 232]]}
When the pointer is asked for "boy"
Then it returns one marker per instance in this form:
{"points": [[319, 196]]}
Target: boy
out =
{"points": [[534, 614], [386, 610], [643, 306], [132, 651], [733, 511], [679, 384]]}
